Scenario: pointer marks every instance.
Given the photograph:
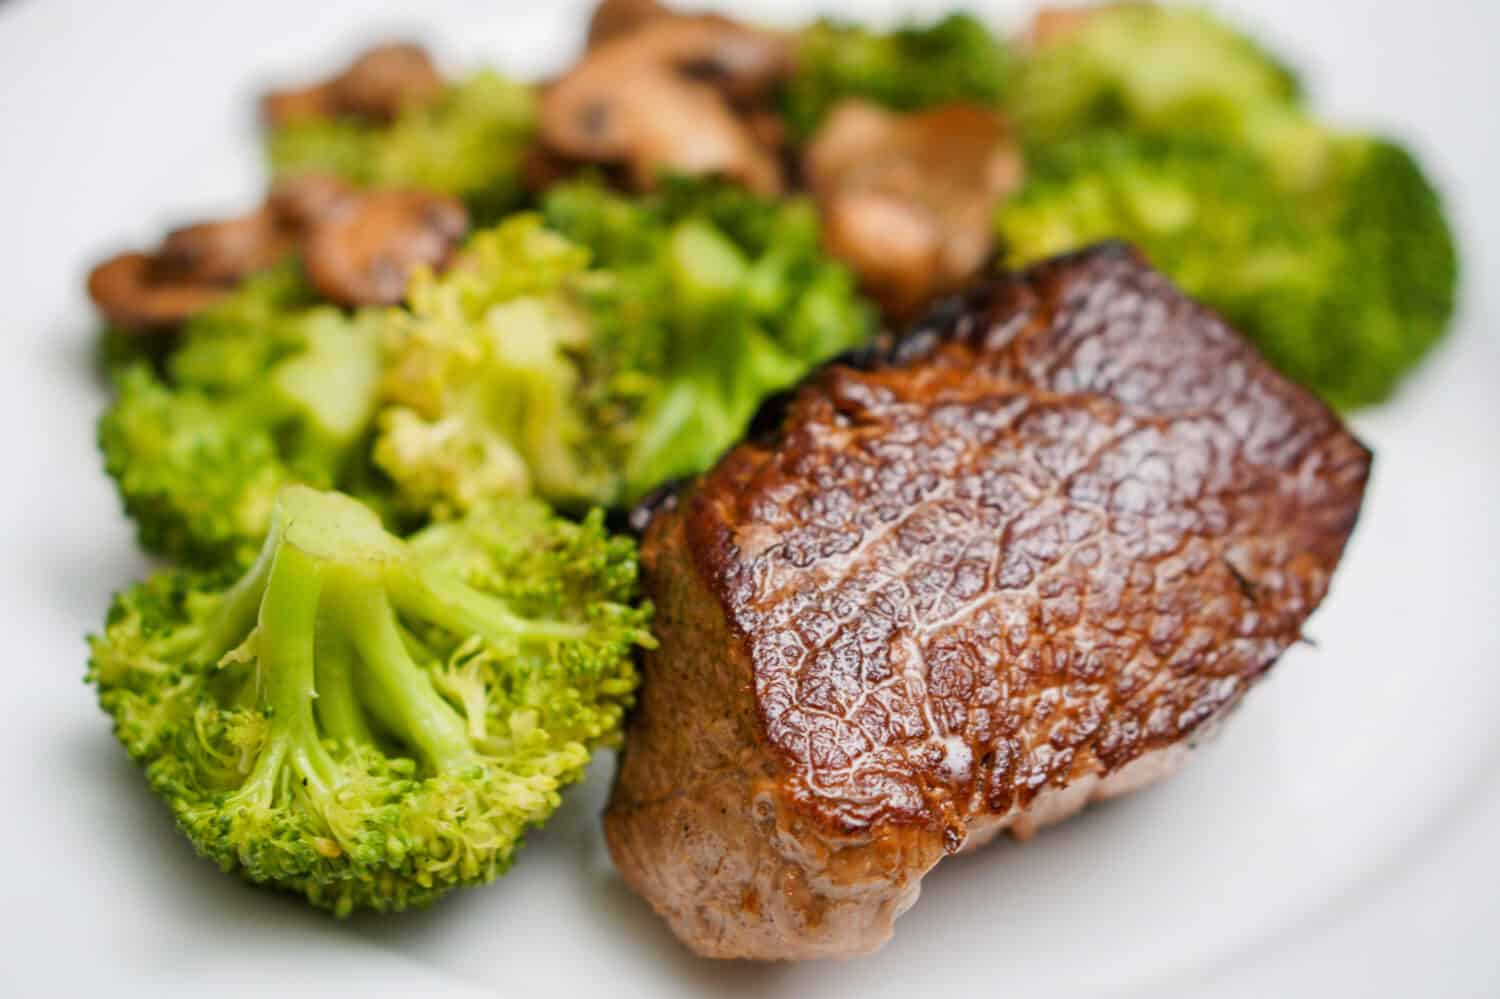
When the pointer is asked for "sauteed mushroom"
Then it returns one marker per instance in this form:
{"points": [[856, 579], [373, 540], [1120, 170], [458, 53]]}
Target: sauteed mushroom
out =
{"points": [[359, 249], [614, 18], [377, 85], [364, 250], [908, 199], [125, 290], [659, 97], [222, 252], [298, 201]]}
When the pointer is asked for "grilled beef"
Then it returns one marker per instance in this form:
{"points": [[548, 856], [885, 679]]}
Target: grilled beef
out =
{"points": [[1021, 558]]}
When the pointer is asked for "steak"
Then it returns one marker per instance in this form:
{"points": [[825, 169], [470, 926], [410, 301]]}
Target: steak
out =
{"points": [[965, 581]]}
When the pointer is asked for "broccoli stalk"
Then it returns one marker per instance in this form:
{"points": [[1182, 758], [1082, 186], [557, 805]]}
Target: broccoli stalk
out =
{"points": [[372, 722]]}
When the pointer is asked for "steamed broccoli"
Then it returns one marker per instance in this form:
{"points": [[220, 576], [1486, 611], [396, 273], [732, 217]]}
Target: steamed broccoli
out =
{"points": [[482, 393], [1342, 286], [265, 389], [714, 299], [1149, 68], [468, 143], [371, 722], [916, 66], [628, 343]]}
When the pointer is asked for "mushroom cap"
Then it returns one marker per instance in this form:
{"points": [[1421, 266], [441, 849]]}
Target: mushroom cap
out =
{"points": [[298, 201], [223, 252], [374, 87], [920, 188], [613, 18], [658, 97], [364, 251], [126, 293], [384, 79]]}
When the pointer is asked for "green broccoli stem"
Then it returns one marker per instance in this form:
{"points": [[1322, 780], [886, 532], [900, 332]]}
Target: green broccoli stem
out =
{"points": [[445, 600], [338, 707], [287, 674], [402, 691], [239, 605]]}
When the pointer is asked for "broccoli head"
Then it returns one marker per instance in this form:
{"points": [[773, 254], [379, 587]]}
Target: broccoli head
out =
{"points": [[367, 721], [263, 390], [588, 355], [706, 299], [1343, 286], [1148, 68], [916, 66], [468, 143], [482, 396]]}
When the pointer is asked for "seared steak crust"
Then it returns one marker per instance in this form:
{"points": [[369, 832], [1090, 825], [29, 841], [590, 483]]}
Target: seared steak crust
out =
{"points": [[1059, 527]]}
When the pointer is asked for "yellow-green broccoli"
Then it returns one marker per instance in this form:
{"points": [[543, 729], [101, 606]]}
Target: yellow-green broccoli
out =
{"points": [[590, 354]]}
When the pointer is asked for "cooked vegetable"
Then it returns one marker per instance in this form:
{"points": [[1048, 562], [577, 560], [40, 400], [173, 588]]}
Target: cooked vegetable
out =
{"points": [[371, 722], [1343, 286], [718, 299], [482, 394], [1148, 68], [917, 66], [468, 142], [527, 370], [266, 388]]}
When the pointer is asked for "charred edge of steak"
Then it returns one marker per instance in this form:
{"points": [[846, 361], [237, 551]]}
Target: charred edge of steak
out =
{"points": [[949, 318], [662, 499]]}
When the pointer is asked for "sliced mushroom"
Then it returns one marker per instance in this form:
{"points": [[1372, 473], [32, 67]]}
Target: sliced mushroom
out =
{"points": [[131, 297], [659, 97], [193, 267], [613, 18], [298, 201], [365, 249], [223, 252], [908, 199], [374, 87]]}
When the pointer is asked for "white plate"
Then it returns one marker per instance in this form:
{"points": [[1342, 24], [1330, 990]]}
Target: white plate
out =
{"points": [[1336, 840]]}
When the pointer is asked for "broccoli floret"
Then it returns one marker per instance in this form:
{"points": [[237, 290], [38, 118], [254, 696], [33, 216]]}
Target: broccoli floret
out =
{"points": [[263, 391], [917, 66], [482, 392], [1149, 68], [625, 342], [371, 722], [1343, 286], [467, 143], [1393, 282], [709, 299]]}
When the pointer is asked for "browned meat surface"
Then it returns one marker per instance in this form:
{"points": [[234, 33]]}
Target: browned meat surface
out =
{"points": [[1021, 558]]}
